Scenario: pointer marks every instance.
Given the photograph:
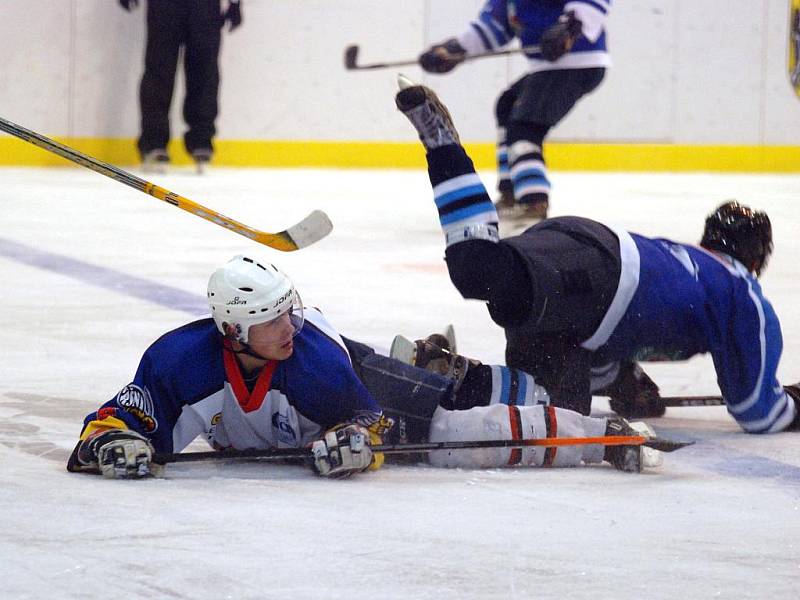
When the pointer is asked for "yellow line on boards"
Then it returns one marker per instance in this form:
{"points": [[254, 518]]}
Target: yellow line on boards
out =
{"points": [[410, 155]]}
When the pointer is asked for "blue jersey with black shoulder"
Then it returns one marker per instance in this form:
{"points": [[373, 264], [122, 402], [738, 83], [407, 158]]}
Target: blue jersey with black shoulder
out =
{"points": [[675, 301], [500, 21], [189, 384]]}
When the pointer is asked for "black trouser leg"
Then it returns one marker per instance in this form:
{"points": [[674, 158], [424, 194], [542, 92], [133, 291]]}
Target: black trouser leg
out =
{"points": [[200, 106], [407, 394], [502, 112], [165, 26]]}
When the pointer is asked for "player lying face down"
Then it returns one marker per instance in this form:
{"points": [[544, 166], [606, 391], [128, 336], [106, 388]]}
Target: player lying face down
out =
{"points": [[264, 372], [261, 373]]}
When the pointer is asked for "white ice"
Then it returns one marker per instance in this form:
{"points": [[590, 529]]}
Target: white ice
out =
{"points": [[93, 272]]}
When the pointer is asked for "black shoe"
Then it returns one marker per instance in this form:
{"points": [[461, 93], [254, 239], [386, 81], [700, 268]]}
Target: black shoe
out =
{"points": [[427, 114]]}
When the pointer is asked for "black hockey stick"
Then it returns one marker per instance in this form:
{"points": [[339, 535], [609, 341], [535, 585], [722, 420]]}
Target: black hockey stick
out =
{"points": [[351, 58], [679, 401], [311, 229], [661, 444]]}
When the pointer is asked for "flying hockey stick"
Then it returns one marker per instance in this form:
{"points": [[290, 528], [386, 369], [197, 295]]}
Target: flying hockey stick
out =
{"points": [[661, 444], [351, 58], [311, 229]]}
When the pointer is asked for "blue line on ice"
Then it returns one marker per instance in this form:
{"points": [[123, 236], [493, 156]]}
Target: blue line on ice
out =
{"points": [[129, 285]]}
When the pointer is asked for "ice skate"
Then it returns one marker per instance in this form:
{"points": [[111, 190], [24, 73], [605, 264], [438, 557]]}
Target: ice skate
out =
{"points": [[427, 114], [155, 161], [433, 354], [505, 204], [520, 216], [202, 158], [631, 459]]}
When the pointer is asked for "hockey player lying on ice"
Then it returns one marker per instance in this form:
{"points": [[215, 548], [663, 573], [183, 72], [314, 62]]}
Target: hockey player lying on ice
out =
{"points": [[576, 297], [264, 372]]}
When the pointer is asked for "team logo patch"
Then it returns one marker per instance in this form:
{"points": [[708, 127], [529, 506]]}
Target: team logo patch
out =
{"points": [[286, 433], [137, 401]]}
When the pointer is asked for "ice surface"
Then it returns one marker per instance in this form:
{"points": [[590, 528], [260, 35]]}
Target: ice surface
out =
{"points": [[94, 271]]}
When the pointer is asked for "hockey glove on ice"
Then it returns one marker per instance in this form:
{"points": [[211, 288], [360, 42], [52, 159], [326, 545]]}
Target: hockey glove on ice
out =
{"points": [[116, 453], [633, 394], [233, 15], [343, 450], [559, 39], [443, 57]]}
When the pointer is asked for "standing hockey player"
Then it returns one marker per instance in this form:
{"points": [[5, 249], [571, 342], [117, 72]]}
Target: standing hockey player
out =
{"points": [[572, 293], [193, 25], [569, 61], [265, 373]]}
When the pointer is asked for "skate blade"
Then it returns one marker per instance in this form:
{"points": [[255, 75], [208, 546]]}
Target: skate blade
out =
{"points": [[510, 228], [403, 350], [450, 334]]}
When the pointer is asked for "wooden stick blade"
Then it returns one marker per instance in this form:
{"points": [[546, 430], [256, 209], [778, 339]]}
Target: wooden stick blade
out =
{"points": [[310, 230]]}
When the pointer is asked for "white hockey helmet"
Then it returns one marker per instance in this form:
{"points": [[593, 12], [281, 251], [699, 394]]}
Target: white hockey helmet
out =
{"points": [[245, 292]]}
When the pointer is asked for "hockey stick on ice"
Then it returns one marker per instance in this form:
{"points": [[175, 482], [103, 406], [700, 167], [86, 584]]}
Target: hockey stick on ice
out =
{"points": [[661, 444], [680, 401], [311, 229], [351, 58]]}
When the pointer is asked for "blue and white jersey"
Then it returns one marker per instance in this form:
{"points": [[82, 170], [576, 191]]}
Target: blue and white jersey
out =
{"points": [[675, 300], [189, 384], [500, 21]]}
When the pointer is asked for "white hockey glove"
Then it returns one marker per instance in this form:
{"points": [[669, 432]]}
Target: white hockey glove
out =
{"points": [[118, 454], [343, 450]]}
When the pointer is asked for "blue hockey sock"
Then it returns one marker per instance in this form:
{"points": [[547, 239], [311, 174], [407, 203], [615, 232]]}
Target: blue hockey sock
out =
{"points": [[465, 210], [515, 387], [503, 172], [528, 172]]}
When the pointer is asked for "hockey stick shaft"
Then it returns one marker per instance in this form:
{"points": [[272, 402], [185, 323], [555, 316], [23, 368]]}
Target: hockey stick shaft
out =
{"points": [[305, 453], [351, 58], [680, 401], [311, 229]]}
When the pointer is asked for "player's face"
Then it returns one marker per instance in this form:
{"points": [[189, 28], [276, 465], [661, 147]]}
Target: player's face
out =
{"points": [[273, 340]]}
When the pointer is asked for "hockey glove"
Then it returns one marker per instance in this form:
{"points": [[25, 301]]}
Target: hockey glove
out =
{"points": [[233, 15], [633, 394], [443, 57], [117, 454], [343, 450], [129, 4], [559, 39], [631, 459]]}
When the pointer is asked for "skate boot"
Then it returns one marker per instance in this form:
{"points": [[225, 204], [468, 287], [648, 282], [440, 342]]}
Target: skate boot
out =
{"points": [[430, 356], [505, 204], [155, 161], [522, 215], [631, 459], [201, 158], [427, 114], [633, 394]]}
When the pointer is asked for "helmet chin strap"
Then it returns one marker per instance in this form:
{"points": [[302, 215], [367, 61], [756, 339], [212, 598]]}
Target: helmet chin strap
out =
{"points": [[245, 348]]}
